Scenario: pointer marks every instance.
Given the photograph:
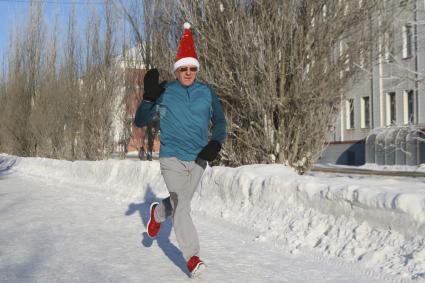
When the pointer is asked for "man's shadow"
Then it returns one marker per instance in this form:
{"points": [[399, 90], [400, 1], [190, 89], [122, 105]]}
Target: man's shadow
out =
{"points": [[6, 164], [163, 238]]}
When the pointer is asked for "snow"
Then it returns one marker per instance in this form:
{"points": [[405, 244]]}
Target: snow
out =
{"points": [[376, 167], [265, 218], [418, 168]]}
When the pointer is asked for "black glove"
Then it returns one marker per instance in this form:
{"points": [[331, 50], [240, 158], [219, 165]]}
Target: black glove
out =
{"points": [[153, 89], [210, 151]]}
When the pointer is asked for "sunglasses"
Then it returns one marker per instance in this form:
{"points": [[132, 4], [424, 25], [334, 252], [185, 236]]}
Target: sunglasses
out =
{"points": [[184, 69]]}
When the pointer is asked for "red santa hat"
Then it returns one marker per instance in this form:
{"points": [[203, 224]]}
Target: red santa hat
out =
{"points": [[186, 54]]}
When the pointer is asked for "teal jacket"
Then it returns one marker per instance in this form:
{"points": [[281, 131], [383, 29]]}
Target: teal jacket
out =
{"points": [[185, 113]]}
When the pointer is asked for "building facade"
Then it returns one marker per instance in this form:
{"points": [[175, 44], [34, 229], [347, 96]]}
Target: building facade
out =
{"points": [[127, 137], [391, 94]]}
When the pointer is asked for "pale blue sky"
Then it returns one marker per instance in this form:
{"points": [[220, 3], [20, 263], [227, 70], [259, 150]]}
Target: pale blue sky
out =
{"points": [[9, 12], [13, 12]]}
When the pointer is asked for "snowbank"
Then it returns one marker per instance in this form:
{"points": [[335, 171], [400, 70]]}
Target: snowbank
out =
{"points": [[376, 221], [123, 180], [420, 168], [417, 168]]}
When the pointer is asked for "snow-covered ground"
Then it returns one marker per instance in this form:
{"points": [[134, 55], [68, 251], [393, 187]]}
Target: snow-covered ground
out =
{"points": [[368, 166], [418, 168], [70, 222]]}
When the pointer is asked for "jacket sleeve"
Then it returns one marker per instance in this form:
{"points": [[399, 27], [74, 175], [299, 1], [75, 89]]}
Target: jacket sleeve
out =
{"points": [[145, 113], [218, 120]]}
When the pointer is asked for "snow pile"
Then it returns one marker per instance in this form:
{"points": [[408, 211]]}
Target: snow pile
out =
{"points": [[375, 167], [372, 166], [124, 180], [376, 221]]}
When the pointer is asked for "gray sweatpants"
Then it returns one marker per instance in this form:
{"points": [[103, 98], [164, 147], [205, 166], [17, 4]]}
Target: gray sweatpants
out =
{"points": [[182, 179]]}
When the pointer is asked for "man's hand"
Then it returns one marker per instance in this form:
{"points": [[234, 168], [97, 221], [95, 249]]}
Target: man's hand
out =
{"points": [[153, 89], [210, 151]]}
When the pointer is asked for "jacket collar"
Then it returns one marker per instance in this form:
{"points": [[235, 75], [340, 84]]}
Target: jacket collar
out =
{"points": [[190, 87]]}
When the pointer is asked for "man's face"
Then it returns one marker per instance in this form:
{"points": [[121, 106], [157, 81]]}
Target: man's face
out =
{"points": [[186, 74]]}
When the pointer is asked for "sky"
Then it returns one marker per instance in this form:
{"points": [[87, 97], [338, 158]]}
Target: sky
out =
{"points": [[13, 12], [9, 11]]}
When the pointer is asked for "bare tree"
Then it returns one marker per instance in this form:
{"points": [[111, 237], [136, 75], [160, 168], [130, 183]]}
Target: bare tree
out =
{"points": [[280, 67], [59, 100], [3, 92], [46, 118], [23, 81], [151, 23], [151, 36], [99, 86], [69, 77]]}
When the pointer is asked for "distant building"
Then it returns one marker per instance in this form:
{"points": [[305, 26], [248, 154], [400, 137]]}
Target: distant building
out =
{"points": [[392, 95], [136, 139]]}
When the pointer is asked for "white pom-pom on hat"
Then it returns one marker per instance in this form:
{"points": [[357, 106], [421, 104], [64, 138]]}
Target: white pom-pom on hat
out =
{"points": [[186, 25]]}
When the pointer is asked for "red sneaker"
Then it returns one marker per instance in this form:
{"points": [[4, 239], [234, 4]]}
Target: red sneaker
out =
{"points": [[195, 265], [153, 226]]}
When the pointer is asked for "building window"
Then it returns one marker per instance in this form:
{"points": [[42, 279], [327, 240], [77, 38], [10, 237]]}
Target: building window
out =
{"points": [[344, 57], [346, 8], [324, 11], [391, 108], [362, 54], [407, 41], [365, 112], [409, 106], [388, 46], [349, 113]]}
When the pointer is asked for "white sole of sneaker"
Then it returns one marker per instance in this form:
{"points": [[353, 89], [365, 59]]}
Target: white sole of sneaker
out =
{"points": [[198, 270], [149, 222]]}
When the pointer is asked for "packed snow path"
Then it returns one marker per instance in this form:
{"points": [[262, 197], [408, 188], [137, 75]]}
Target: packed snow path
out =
{"points": [[54, 232]]}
